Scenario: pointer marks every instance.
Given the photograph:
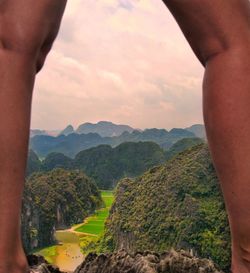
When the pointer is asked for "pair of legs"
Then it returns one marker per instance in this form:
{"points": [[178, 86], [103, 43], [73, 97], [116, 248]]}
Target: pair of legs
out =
{"points": [[217, 31]]}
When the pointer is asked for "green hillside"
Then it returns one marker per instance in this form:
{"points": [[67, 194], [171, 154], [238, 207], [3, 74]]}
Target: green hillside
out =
{"points": [[178, 204], [107, 165], [182, 145], [33, 164], [104, 164], [56, 199]]}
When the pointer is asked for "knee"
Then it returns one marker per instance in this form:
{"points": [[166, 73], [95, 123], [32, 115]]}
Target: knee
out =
{"points": [[237, 52], [25, 45]]}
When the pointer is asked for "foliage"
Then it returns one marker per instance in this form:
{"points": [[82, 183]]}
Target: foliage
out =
{"points": [[34, 164], [48, 253], [56, 160], [178, 204], [107, 165], [59, 198], [182, 145]]}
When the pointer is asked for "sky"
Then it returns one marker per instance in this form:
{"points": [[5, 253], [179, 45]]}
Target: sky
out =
{"points": [[124, 61]]}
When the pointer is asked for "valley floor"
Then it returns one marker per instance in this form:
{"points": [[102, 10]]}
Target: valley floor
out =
{"points": [[69, 253]]}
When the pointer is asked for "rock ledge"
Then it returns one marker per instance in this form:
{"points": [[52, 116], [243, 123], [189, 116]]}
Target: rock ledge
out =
{"points": [[139, 262], [146, 262]]}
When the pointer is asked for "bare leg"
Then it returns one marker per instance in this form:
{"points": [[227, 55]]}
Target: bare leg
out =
{"points": [[27, 31], [219, 34]]}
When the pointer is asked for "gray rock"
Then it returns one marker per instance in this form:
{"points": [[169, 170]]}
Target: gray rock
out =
{"points": [[146, 262], [38, 264]]}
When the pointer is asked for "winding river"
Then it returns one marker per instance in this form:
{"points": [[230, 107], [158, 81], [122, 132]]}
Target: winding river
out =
{"points": [[67, 254]]}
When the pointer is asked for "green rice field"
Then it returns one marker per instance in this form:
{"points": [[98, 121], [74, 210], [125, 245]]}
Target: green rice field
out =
{"points": [[95, 224]]}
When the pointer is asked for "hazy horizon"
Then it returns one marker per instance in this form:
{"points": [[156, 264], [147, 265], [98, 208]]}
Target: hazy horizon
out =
{"points": [[120, 60], [75, 127]]}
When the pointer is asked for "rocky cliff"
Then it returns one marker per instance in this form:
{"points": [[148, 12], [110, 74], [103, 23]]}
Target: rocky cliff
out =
{"points": [[146, 262], [55, 199], [178, 204]]}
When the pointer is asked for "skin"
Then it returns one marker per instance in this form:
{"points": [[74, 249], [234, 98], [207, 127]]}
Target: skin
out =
{"points": [[218, 33], [27, 31]]}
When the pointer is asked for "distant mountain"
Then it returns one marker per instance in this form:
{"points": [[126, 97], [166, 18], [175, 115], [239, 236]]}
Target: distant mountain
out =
{"points": [[178, 205], [198, 130], [37, 132], [72, 144], [69, 145], [53, 132], [162, 137], [103, 128], [68, 130]]}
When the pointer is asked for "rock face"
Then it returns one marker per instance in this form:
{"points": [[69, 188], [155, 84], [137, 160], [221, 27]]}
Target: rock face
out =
{"points": [[53, 200], [147, 262], [175, 205], [122, 262], [39, 265]]}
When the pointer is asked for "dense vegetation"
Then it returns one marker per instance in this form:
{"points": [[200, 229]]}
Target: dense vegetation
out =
{"points": [[56, 160], [106, 165], [73, 143], [34, 163], [178, 204], [59, 198], [182, 145]]}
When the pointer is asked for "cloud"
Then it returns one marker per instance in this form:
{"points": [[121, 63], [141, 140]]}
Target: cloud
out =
{"points": [[120, 60], [126, 4]]}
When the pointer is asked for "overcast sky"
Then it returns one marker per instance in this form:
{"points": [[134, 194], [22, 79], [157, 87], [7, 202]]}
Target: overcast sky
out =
{"points": [[125, 61]]}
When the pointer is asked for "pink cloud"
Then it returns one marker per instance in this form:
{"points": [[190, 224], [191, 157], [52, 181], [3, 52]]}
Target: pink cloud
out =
{"points": [[124, 61]]}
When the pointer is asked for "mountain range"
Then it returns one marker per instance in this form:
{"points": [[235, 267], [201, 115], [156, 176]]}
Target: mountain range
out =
{"points": [[103, 128], [106, 129], [70, 142], [106, 165]]}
